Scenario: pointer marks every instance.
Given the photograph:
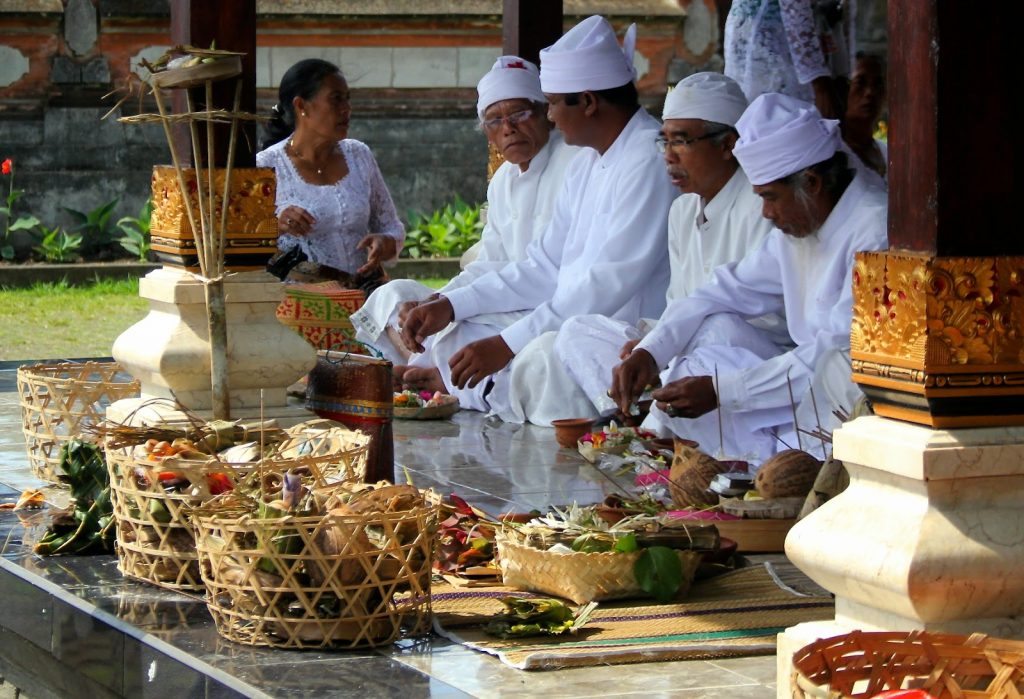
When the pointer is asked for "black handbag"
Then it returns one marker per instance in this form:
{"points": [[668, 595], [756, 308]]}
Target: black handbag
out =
{"points": [[284, 261]]}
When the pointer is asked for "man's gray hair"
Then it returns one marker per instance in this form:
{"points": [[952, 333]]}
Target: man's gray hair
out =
{"points": [[723, 130], [835, 174]]}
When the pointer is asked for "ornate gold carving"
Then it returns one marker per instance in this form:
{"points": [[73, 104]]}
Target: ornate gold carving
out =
{"points": [[938, 311], [251, 203], [939, 327]]}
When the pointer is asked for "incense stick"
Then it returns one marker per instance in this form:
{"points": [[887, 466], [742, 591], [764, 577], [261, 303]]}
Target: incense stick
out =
{"points": [[721, 431], [792, 406]]}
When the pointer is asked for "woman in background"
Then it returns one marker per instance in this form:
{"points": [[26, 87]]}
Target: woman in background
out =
{"points": [[332, 202]]}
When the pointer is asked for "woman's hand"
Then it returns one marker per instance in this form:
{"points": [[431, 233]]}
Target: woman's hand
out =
{"points": [[294, 220], [379, 248]]}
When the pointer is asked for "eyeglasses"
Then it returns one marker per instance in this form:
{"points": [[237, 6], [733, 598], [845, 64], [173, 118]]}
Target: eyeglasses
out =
{"points": [[665, 143], [514, 119]]}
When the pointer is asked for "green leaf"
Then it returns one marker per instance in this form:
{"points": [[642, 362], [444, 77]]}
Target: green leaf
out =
{"points": [[626, 544], [659, 572], [25, 223]]}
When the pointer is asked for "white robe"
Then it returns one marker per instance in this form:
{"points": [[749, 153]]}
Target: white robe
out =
{"points": [[603, 252], [810, 280], [701, 236], [519, 206]]}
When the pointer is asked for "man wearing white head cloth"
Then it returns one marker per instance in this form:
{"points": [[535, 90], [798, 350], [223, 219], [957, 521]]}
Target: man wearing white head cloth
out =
{"points": [[716, 220], [823, 212], [521, 196], [603, 252]]}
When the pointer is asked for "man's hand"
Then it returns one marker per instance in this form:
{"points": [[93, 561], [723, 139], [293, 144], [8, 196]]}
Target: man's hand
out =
{"points": [[425, 320], [379, 248], [478, 360], [629, 379], [689, 397], [627, 349], [406, 306]]}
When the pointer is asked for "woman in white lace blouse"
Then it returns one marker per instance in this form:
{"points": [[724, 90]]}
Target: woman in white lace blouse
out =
{"points": [[332, 202]]}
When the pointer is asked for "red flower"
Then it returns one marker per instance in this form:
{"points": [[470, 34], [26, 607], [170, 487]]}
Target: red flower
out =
{"points": [[7, 166]]}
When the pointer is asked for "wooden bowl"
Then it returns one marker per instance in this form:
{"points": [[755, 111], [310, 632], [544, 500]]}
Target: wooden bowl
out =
{"points": [[569, 431]]}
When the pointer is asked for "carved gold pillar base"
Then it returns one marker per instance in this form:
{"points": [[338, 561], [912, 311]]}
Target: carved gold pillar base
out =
{"points": [[940, 340]]}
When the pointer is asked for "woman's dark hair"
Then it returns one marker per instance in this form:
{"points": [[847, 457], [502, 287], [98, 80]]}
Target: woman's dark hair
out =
{"points": [[302, 80]]}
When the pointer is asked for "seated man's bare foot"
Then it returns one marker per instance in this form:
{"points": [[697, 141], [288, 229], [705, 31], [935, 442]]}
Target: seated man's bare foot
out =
{"points": [[423, 379]]}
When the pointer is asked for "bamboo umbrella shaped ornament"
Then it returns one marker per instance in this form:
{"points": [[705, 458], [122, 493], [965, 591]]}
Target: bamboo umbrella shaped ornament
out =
{"points": [[182, 68]]}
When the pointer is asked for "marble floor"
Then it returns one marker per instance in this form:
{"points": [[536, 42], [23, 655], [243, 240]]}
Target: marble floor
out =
{"points": [[496, 466]]}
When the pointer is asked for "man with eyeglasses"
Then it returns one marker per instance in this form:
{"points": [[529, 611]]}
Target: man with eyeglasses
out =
{"points": [[603, 252], [521, 196], [824, 210], [716, 220]]}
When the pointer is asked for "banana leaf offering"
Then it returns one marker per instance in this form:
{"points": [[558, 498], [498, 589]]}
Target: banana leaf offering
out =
{"points": [[538, 616], [87, 526]]}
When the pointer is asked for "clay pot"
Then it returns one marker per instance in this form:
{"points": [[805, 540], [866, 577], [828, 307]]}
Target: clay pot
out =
{"points": [[569, 430]]}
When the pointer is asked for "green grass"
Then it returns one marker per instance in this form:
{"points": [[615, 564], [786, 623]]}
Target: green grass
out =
{"points": [[54, 321], [57, 321]]}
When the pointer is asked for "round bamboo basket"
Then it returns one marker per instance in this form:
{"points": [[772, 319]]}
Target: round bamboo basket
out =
{"points": [[322, 581], [862, 664], [155, 540], [59, 400], [578, 576]]}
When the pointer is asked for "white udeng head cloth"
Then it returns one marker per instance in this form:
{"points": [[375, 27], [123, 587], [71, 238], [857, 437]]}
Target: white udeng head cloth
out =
{"points": [[511, 77], [708, 96], [588, 57], [781, 135]]}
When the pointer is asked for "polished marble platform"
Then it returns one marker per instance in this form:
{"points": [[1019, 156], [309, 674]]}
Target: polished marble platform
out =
{"points": [[73, 627]]}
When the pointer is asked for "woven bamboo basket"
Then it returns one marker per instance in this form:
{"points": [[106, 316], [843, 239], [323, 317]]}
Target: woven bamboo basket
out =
{"points": [[578, 576], [58, 401], [322, 581], [155, 540], [947, 666]]}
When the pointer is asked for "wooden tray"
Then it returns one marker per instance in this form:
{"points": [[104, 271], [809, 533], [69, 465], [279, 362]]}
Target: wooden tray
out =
{"points": [[220, 69], [449, 407], [756, 535]]}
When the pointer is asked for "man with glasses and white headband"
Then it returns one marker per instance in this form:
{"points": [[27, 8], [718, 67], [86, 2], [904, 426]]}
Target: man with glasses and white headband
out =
{"points": [[716, 220], [520, 197], [603, 252], [720, 372]]}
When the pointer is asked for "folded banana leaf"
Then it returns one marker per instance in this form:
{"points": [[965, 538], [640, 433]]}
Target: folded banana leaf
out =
{"points": [[537, 616]]}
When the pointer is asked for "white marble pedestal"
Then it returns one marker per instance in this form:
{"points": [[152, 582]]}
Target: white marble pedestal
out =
{"points": [[168, 350], [929, 535]]}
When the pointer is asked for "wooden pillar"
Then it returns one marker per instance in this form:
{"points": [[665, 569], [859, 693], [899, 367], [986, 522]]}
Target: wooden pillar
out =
{"points": [[938, 327], [229, 25], [527, 26]]}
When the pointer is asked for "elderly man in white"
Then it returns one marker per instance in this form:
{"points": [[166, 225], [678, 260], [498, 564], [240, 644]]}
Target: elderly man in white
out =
{"points": [[716, 220], [521, 196], [823, 211], [603, 252]]}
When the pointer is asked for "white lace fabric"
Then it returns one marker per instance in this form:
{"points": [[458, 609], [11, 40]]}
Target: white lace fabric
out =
{"points": [[776, 46], [345, 211]]}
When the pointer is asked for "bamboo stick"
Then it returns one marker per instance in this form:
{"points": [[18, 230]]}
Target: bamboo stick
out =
{"points": [[211, 240], [204, 265], [230, 169], [177, 167]]}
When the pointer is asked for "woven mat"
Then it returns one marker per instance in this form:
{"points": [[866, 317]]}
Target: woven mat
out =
{"points": [[735, 614]]}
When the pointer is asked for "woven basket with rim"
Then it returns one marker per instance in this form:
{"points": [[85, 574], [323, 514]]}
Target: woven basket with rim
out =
{"points": [[59, 400], [863, 664], [155, 541], [578, 576], [362, 591]]}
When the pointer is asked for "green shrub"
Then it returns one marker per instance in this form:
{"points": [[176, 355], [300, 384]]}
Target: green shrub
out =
{"points": [[448, 232], [136, 238]]}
